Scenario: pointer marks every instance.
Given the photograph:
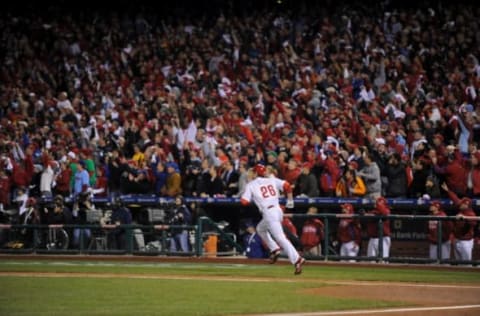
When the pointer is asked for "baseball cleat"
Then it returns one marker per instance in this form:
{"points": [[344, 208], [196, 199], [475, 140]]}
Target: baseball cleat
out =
{"points": [[274, 256], [298, 265]]}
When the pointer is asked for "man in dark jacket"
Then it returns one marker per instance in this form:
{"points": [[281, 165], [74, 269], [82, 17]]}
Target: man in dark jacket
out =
{"points": [[307, 184], [397, 177], [121, 215]]}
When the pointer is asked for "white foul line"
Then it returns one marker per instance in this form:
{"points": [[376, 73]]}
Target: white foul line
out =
{"points": [[377, 311]]}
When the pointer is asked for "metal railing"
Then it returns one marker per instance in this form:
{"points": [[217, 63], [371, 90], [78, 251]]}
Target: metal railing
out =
{"points": [[20, 238], [330, 254]]}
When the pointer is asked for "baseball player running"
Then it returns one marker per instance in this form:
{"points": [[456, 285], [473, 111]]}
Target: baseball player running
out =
{"points": [[265, 192]]}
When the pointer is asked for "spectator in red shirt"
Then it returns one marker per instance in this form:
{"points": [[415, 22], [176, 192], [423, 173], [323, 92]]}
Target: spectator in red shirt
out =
{"points": [[454, 172]]}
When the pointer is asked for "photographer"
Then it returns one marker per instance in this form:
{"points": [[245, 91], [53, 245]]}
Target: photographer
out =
{"points": [[59, 213], [80, 209], [181, 216], [121, 215]]}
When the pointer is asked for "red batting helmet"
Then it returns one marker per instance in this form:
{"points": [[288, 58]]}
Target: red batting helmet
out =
{"points": [[260, 170]]}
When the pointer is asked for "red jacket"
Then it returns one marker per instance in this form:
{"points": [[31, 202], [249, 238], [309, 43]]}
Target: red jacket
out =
{"points": [[312, 233], [330, 175], [447, 227], [476, 181], [5, 187], [22, 174], [63, 181], [463, 228], [372, 225], [455, 176], [349, 230]]}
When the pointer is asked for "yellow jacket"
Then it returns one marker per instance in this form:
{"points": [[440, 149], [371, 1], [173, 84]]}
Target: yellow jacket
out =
{"points": [[356, 188]]}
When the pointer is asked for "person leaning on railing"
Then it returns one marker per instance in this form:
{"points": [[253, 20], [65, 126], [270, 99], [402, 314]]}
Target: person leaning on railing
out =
{"points": [[464, 226]]}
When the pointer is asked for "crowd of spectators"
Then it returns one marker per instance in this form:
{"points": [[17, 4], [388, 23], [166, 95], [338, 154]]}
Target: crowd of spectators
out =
{"points": [[345, 100]]}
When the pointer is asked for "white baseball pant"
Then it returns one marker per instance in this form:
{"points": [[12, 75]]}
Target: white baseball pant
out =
{"points": [[349, 249], [372, 249], [463, 249], [271, 226], [444, 252]]}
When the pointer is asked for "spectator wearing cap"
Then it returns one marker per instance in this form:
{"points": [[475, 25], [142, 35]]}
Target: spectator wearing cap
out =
{"points": [[373, 250], [464, 227], [350, 185], [349, 232], [447, 227], [307, 184], [173, 185], [370, 173], [396, 177]]}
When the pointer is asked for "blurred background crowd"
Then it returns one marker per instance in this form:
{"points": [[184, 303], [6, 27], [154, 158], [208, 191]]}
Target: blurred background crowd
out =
{"points": [[340, 99]]}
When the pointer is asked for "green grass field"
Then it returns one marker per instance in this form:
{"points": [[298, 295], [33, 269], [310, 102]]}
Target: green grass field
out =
{"points": [[107, 288]]}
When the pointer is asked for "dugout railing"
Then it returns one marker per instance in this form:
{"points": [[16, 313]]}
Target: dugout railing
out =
{"points": [[37, 239], [409, 243], [420, 247]]}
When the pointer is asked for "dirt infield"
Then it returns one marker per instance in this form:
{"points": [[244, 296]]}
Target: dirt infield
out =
{"points": [[425, 299]]}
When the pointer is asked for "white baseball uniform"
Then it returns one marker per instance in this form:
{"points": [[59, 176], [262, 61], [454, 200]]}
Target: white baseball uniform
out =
{"points": [[373, 249], [349, 249], [444, 252], [265, 193], [463, 249]]}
